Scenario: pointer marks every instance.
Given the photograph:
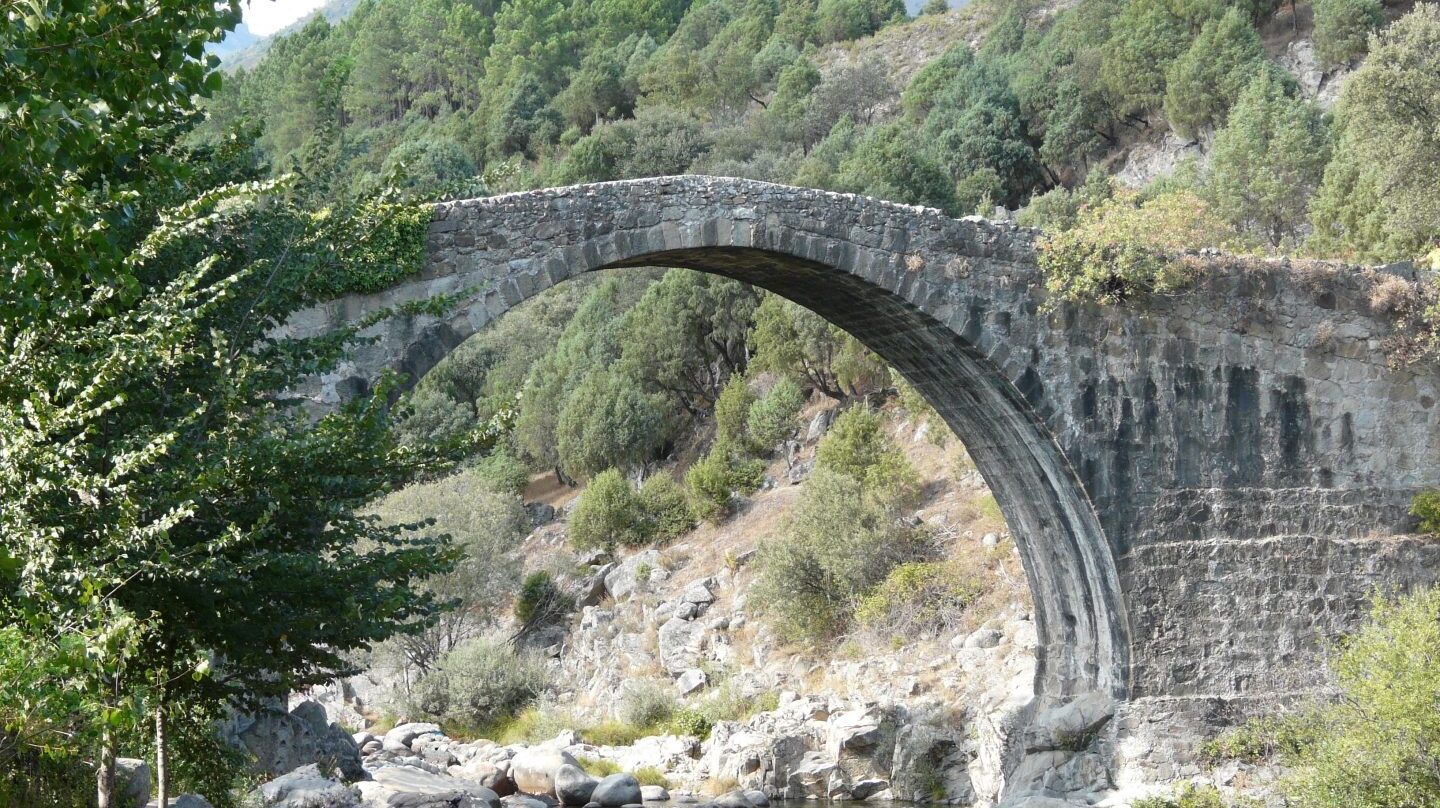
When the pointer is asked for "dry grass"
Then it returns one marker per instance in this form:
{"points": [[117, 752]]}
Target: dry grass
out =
{"points": [[1393, 295]]}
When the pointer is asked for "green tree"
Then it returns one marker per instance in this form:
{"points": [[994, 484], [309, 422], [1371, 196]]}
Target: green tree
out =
{"points": [[1376, 745], [837, 20], [1343, 28], [66, 129], [772, 418], [732, 411], [1267, 161], [790, 340], [839, 544], [1387, 209], [1146, 37], [890, 163], [857, 447], [1205, 81], [486, 525], [608, 514], [608, 421]]}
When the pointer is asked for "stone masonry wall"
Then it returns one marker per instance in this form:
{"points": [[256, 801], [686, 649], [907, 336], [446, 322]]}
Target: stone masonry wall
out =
{"points": [[1203, 485]]}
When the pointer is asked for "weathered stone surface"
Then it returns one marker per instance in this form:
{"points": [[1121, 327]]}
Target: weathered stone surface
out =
{"points": [[573, 786], [680, 644], [306, 787], [533, 770], [132, 782], [1193, 481], [617, 790], [654, 794], [279, 742], [407, 787]]}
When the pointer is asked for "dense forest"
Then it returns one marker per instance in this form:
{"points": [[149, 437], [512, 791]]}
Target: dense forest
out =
{"points": [[471, 97]]}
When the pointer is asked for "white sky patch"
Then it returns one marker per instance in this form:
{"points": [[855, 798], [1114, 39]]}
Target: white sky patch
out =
{"points": [[265, 17]]}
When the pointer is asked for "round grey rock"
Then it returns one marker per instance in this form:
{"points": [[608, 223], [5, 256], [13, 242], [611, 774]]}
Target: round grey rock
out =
{"points": [[617, 791], [573, 786], [757, 798], [734, 799], [654, 794]]}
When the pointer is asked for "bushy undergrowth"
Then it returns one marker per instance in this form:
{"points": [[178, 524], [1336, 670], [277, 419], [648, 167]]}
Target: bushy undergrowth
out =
{"points": [[479, 683], [715, 479], [540, 601], [1374, 746], [920, 598], [857, 447], [611, 513], [1127, 246], [1188, 796], [839, 544]]}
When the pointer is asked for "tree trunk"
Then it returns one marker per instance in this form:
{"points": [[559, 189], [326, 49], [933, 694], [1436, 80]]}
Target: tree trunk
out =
{"points": [[161, 756], [105, 770]]}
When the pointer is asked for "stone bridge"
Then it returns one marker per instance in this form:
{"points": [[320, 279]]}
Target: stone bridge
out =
{"points": [[1203, 487]]}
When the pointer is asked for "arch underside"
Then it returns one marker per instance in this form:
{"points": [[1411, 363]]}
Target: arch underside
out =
{"points": [[1078, 608]]}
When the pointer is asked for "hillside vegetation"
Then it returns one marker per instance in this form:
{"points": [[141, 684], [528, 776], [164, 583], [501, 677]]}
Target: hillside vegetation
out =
{"points": [[1019, 108]]}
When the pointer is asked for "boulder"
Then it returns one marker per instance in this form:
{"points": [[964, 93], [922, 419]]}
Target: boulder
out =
{"points": [[699, 594], [187, 801], [734, 799], [400, 738], [1070, 726], [479, 770], [132, 782], [625, 577], [522, 801], [691, 681], [654, 794], [306, 787], [680, 645], [617, 790], [865, 789], [533, 770], [279, 743], [573, 786], [984, 638], [757, 798], [408, 787], [819, 425], [812, 776]]}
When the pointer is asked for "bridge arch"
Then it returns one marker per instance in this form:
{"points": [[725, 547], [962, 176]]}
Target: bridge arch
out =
{"points": [[1194, 481], [873, 269]]}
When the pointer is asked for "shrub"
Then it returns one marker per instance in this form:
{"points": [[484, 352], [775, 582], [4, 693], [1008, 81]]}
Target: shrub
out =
{"points": [[838, 545], [1377, 745], [772, 418], [690, 721], [732, 409], [607, 515], [478, 682], [651, 776], [1264, 740], [664, 509], [647, 703], [1426, 507], [858, 447], [614, 733], [540, 601], [919, 598], [599, 767], [714, 480], [1124, 247], [1189, 796], [503, 472], [1342, 29]]}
